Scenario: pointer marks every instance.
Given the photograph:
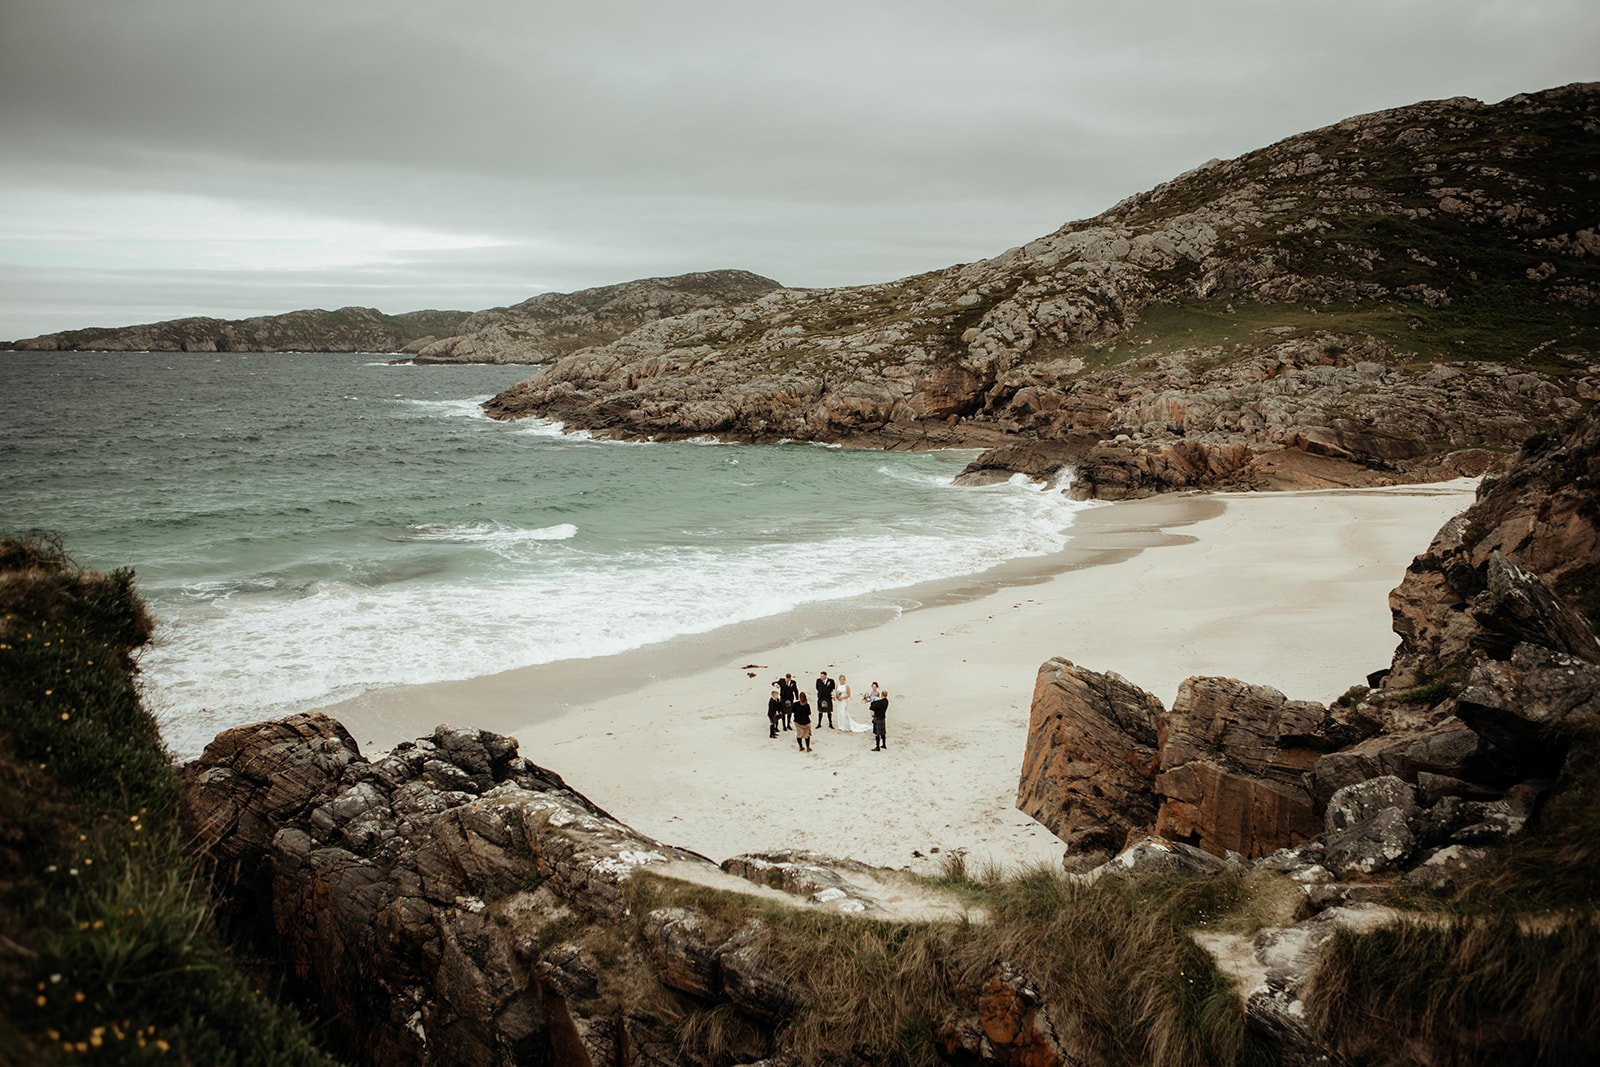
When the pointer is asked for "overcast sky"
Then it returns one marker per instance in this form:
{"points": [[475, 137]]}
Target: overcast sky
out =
{"points": [[177, 157]]}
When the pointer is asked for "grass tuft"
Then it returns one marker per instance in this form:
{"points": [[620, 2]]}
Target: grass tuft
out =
{"points": [[1473, 990]]}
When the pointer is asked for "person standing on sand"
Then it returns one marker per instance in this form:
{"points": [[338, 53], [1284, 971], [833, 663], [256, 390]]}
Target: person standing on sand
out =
{"points": [[788, 690], [841, 698], [879, 706], [802, 724], [825, 687], [774, 709]]}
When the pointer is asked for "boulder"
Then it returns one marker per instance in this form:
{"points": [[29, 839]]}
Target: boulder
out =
{"points": [[1156, 854], [1448, 747], [1441, 870], [1378, 844], [1519, 608], [1533, 708], [1090, 757], [1005, 1021], [1356, 804]]}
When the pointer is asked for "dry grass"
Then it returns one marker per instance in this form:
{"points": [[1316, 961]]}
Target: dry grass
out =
{"points": [[1473, 991], [1123, 980]]}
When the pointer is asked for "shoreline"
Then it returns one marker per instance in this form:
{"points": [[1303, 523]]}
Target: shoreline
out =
{"points": [[1102, 534], [1286, 589]]}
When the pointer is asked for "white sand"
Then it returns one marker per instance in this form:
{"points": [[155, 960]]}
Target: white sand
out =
{"points": [[1286, 589]]}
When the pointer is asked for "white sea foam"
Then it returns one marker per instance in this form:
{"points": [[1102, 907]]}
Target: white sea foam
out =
{"points": [[469, 408], [487, 533], [538, 427]]}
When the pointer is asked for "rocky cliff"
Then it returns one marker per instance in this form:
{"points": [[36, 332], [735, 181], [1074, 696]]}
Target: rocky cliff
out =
{"points": [[546, 327], [1398, 296], [452, 903], [1492, 700], [351, 329], [1472, 756]]}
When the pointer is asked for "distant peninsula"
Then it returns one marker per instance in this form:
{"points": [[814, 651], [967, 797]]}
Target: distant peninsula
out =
{"points": [[537, 330]]}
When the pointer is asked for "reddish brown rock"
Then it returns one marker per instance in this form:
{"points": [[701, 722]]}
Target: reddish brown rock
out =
{"points": [[1224, 811], [1233, 766], [1007, 1024], [1090, 757]]}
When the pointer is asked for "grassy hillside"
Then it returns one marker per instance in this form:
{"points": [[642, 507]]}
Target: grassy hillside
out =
{"points": [[109, 951]]}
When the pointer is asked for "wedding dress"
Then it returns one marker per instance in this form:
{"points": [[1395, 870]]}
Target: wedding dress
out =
{"points": [[844, 720]]}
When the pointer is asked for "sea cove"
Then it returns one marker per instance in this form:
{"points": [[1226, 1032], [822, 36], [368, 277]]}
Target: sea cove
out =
{"points": [[311, 526]]}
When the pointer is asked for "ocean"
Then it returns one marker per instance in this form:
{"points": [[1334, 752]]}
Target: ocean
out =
{"points": [[307, 527]]}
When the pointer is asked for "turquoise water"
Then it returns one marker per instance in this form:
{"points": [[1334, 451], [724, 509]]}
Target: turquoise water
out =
{"points": [[307, 527]]}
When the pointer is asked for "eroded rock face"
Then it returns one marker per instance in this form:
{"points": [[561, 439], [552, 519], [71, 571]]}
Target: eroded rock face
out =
{"points": [[1090, 757], [1541, 519], [413, 894], [1233, 764]]}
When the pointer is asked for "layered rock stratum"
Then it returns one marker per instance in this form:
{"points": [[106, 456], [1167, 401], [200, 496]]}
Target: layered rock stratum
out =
{"points": [[1404, 295]]}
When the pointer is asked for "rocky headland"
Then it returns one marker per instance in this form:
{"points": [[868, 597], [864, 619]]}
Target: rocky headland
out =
{"points": [[1402, 296], [350, 329], [546, 327], [537, 330]]}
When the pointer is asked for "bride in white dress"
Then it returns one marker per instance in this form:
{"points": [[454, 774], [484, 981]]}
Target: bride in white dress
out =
{"points": [[841, 709]]}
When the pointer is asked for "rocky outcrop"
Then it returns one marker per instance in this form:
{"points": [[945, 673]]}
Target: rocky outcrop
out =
{"points": [[1542, 515], [402, 891], [350, 329], [1090, 755], [1232, 769], [453, 903], [1310, 314], [546, 327], [1493, 699]]}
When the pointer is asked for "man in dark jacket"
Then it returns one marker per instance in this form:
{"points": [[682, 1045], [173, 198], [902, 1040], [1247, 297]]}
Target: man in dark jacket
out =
{"points": [[880, 717], [825, 687], [788, 692], [774, 710]]}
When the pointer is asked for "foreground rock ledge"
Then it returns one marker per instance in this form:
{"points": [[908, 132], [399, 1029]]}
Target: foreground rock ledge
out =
{"points": [[453, 903]]}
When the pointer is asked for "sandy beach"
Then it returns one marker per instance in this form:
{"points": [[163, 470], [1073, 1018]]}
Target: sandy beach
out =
{"points": [[1286, 589]]}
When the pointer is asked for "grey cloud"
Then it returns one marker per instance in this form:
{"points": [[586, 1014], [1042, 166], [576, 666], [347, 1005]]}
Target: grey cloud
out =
{"points": [[823, 143]]}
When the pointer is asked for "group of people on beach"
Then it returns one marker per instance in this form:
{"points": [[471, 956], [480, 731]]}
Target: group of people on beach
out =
{"points": [[789, 708]]}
